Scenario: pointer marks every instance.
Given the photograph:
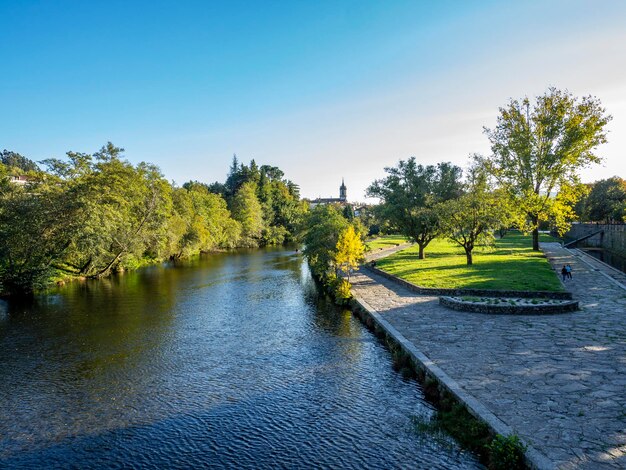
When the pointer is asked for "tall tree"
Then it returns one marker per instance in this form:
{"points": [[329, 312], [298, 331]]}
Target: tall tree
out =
{"points": [[123, 210], [16, 161], [36, 228], [538, 149], [607, 201], [201, 222], [248, 212], [321, 234], [409, 195]]}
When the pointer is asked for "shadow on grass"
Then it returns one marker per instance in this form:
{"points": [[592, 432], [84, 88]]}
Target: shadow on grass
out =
{"points": [[512, 265]]}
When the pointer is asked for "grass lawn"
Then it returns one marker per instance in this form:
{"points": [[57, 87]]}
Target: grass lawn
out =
{"points": [[386, 241], [510, 265]]}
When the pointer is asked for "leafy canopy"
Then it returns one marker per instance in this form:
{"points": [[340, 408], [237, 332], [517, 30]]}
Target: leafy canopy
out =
{"points": [[538, 149], [470, 219], [350, 250], [409, 194]]}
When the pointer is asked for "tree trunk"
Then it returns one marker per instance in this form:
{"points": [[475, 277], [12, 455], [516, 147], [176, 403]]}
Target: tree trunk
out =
{"points": [[105, 271], [468, 254], [421, 251], [535, 221]]}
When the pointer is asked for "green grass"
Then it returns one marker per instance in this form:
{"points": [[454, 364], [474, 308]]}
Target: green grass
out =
{"points": [[386, 241], [510, 265]]}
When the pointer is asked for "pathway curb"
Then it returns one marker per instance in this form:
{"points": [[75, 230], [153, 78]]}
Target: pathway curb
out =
{"points": [[534, 458], [435, 292]]}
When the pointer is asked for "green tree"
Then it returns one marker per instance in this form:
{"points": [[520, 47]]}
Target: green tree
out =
{"points": [[36, 228], [510, 216], [93, 214], [607, 201], [470, 219], [17, 162], [409, 195], [200, 222], [247, 210], [321, 235], [348, 212], [538, 150], [123, 211]]}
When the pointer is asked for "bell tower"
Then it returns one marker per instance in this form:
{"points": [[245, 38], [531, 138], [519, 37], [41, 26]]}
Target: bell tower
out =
{"points": [[342, 191]]}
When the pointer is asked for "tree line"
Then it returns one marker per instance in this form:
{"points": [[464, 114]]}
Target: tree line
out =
{"points": [[92, 214], [89, 215], [530, 178]]}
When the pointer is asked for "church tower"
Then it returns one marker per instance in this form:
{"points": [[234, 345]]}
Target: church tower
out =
{"points": [[342, 191]]}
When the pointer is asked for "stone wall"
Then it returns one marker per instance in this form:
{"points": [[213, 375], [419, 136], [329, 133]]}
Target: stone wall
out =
{"points": [[613, 239], [436, 384], [544, 309]]}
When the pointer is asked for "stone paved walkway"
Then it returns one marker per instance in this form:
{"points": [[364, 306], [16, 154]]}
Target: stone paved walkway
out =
{"points": [[607, 271], [559, 380], [383, 252]]}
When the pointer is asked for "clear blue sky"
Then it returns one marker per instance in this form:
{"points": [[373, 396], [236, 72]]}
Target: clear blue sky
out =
{"points": [[323, 89]]}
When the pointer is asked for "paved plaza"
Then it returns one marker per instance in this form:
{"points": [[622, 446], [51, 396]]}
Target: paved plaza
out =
{"points": [[559, 381]]}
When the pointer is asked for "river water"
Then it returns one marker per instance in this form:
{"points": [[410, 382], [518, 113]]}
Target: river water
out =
{"points": [[612, 259], [228, 361]]}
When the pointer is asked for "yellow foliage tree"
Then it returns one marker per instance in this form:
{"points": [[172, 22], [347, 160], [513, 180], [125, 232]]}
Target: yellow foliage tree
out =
{"points": [[350, 250]]}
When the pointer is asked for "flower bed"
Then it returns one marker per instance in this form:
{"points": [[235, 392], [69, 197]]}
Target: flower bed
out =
{"points": [[509, 305]]}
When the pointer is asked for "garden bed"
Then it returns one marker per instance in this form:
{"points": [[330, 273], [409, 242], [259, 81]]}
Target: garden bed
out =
{"points": [[509, 305]]}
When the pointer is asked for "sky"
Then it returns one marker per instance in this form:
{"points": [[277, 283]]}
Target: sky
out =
{"points": [[321, 89]]}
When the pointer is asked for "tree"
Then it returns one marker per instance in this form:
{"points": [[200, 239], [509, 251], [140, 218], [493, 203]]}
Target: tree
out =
{"points": [[247, 210], [90, 215], [200, 222], [17, 161], [409, 195], [350, 251], [348, 212], [607, 200], [321, 235], [122, 209], [538, 150], [470, 219], [36, 229]]}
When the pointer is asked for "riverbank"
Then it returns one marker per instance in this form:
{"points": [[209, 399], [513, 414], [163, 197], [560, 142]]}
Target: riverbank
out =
{"points": [[61, 277], [556, 381]]}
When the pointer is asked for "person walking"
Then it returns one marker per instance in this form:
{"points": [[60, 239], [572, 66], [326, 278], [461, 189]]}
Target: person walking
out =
{"points": [[568, 268], [564, 273]]}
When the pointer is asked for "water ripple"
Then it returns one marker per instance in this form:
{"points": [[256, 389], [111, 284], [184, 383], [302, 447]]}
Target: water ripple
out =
{"points": [[232, 361]]}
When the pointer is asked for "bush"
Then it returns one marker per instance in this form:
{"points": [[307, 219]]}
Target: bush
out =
{"points": [[340, 288], [506, 453]]}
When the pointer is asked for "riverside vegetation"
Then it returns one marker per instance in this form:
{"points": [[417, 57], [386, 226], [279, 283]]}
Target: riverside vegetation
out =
{"points": [[334, 246], [89, 215]]}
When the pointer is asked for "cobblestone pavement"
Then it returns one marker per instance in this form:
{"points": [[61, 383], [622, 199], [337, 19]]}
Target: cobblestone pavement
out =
{"points": [[384, 252], [558, 380]]}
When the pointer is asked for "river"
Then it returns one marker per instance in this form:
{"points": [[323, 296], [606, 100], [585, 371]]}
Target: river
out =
{"points": [[228, 361], [612, 259]]}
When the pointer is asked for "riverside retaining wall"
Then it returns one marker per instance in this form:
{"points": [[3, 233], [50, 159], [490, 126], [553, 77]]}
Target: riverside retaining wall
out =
{"points": [[613, 239], [429, 372]]}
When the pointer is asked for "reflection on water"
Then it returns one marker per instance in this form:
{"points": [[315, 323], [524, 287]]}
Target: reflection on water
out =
{"points": [[612, 259], [231, 360]]}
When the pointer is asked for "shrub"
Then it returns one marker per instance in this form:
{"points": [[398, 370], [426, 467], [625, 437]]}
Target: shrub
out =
{"points": [[506, 453]]}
